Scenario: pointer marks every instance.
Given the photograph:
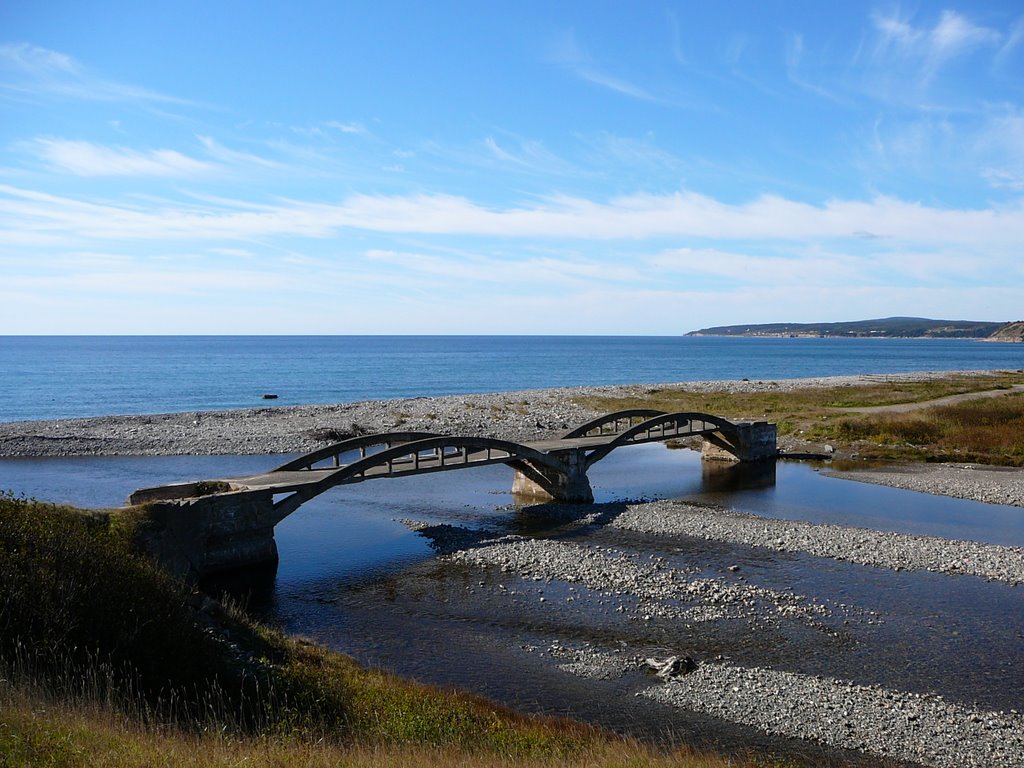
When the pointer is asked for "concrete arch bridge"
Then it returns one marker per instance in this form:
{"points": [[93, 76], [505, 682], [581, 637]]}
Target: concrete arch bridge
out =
{"points": [[204, 527]]}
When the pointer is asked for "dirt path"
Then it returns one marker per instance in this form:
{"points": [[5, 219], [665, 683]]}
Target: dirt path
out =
{"points": [[907, 407]]}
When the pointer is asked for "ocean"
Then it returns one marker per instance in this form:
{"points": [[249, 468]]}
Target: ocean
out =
{"points": [[56, 377]]}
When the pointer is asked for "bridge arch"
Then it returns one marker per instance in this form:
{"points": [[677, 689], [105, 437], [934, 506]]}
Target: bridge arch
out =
{"points": [[663, 426], [434, 453], [360, 443], [597, 426], [203, 527]]}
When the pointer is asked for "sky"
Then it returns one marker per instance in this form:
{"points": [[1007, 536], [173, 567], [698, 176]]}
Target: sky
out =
{"points": [[641, 168]]}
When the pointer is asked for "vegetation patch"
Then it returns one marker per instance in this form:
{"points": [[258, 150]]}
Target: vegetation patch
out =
{"points": [[989, 431], [984, 430]]}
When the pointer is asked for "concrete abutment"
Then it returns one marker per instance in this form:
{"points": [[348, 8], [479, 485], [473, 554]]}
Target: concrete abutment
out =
{"points": [[194, 538], [571, 484], [745, 441]]}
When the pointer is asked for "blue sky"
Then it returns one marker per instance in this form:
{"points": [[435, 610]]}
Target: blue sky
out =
{"points": [[529, 167]]}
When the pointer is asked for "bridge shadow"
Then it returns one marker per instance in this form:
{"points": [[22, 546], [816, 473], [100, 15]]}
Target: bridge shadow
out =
{"points": [[253, 587], [531, 518]]}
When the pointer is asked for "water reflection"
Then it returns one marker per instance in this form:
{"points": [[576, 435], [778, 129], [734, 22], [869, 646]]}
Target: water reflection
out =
{"points": [[725, 477]]}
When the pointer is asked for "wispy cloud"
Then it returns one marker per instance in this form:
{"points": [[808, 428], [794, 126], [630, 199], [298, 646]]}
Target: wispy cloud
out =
{"points": [[325, 129], [794, 71], [952, 36], [988, 145], [530, 272], [219, 152], [24, 213], [83, 158], [356, 128], [570, 55], [30, 71], [1013, 41]]}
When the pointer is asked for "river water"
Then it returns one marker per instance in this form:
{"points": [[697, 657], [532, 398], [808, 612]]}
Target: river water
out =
{"points": [[353, 576]]}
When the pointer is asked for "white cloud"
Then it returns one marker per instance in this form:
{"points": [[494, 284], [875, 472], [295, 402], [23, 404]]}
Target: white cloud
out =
{"points": [[809, 269], [355, 128], [29, 70], [569, 54], [84, 158], [635, 217], [36, 61], [1000, 178], [953, 35], [220, 152], [533, 273]]}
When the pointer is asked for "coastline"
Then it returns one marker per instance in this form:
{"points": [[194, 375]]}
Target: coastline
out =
{"points": [[516, 415]]}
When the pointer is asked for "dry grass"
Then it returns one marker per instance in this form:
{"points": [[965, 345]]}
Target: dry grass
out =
{"points": [[59, 736], [986, 431]]}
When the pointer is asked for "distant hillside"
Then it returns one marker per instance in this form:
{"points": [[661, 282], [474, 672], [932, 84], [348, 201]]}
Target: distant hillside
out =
{"points": [[1009, 332], [885, 328]]}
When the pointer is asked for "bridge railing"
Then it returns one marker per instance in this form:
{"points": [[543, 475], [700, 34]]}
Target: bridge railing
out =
{"points": [[662, 426], [613, 423], [364, 445], [435, 453]]}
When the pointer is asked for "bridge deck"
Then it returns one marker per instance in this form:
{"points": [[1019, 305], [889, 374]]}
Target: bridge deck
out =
{"points": [[409, 453], [287, 481]]}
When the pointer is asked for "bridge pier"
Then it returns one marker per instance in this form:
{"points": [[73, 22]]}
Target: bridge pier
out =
{"points": [[745, 441], [569, 485], [196, 537]]}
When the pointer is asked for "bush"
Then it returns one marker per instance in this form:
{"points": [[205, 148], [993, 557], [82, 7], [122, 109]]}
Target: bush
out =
{"points": [[74, 598]]}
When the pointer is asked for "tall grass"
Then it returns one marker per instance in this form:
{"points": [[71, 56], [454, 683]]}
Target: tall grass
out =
{"points": [[989, 431]]}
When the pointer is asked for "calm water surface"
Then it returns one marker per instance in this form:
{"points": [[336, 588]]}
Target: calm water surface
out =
{"points": [[353, 577], [53, 377]]}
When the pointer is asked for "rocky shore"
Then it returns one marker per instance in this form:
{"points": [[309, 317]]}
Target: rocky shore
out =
{"points": [[523, 415], [653, 589], [519, 415]]}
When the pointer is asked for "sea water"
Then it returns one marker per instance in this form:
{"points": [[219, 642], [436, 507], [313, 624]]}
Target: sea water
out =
{"points": [[54, 377]]}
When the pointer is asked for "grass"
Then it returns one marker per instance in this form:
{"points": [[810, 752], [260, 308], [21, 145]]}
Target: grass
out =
{"points": [[989, 431], [107, 661], [985, 431], [87, 736]]}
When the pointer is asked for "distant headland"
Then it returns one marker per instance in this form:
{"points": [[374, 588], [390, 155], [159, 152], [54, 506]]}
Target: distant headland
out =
{"points": [[884, 328]]}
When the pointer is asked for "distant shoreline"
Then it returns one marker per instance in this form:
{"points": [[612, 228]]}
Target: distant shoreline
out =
{"points": [[989, 339], [883, 328]]}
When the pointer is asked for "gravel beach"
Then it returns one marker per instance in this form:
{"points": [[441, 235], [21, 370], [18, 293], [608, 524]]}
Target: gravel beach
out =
{"points": [[651, 590], [518, 415], [523, 415]]}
